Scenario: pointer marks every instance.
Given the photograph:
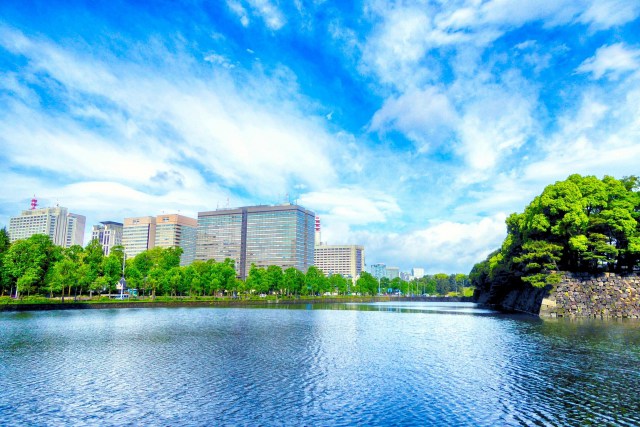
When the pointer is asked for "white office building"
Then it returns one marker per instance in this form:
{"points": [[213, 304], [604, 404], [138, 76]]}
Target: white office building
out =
{"points": [[63, 228]]}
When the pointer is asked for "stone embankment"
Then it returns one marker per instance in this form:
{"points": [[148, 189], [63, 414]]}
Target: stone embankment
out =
{"points": [[606, 295]]}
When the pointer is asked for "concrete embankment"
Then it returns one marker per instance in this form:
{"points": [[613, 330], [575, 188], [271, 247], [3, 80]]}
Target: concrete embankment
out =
{"points": [[218, 303]]}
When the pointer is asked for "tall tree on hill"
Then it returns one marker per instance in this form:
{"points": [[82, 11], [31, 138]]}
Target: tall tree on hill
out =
{"points": [[580, 224]]}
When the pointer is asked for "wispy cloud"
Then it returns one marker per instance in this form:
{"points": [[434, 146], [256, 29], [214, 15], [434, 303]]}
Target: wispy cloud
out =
{"points": [[411, 127], [612, 61]]}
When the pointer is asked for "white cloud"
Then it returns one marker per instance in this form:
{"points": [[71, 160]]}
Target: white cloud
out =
{"points": [[351, 205], [425, 116], [398, 49], [603, 14], [611, 60], [444, 246], [266, 10], [221, 60], [493, 127], [155, 135], [270, 14], [237, 8], [255, 137]]}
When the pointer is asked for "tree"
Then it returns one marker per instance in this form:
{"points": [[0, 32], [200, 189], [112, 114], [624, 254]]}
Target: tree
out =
{"points": [[579, 224], [275, 278], [257, 280], [443, 285], [315, 280], [27, 261], [293, 280], [338, 283], [5, 280], [367, 284]]}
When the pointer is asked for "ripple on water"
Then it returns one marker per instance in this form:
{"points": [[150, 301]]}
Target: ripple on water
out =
{"points": [[414, 364]]}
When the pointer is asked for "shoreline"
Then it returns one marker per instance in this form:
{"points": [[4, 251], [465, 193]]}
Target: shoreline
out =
{"points": [[75, 305]]}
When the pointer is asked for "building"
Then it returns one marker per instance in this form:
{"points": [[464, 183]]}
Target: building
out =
{"points": [[393, 272], [75, 230], [262, 235], [138, 235], [177, 231], [378, 270], [417, 273], [109, 234], [63, 228], [346, 260]]}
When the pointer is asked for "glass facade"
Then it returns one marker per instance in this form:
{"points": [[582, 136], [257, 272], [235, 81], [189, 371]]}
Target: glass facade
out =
{"points": [[260, 235], [172, 234], [219, 236]]}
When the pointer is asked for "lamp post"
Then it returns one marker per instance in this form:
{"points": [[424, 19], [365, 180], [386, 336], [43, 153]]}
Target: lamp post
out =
{"points": [[123, 282]]}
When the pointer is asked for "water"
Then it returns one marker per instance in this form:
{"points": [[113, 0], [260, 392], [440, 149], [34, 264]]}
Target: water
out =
{"points": [[340, 365]]}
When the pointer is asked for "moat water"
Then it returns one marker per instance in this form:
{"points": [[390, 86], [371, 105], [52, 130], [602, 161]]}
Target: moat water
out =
{"points": [[337, 365]]}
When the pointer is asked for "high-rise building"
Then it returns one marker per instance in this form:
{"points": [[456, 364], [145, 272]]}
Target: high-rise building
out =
{"points": [[109, 234], [378, 270], [63, 228], [393, 272], [318, 236], [177, 231], [262, 235], [75, 230], [138, 235], [417, 273], [346, 260]]}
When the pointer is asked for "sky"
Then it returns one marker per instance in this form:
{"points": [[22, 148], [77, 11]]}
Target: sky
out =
{"points": [[413, 128]]}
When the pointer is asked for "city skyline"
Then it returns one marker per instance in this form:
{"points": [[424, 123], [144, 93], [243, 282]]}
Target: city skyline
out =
{"points": [[410, 128]]}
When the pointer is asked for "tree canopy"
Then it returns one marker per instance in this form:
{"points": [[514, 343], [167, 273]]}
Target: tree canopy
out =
{"points": [[581, 224]]}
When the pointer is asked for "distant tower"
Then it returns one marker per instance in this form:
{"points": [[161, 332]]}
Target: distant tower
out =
{"points": [[318, 239], [34, 203]]}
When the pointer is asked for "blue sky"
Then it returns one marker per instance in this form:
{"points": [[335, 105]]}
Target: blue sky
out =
{"points": [[413, 128]]}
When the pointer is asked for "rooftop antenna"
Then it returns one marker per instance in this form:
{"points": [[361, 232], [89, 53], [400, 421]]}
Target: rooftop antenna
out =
{"points": [[34, 203]]}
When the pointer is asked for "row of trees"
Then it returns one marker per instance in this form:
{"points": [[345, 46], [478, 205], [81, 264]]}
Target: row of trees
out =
{"points": [[582, 224], [35, 266]]}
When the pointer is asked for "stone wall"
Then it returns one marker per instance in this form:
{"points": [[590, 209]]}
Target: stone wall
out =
{"points": [[585, 295], [578, 295]]}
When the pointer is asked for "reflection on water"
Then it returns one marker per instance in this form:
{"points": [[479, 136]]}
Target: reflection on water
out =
{"points": [[343, 364]]}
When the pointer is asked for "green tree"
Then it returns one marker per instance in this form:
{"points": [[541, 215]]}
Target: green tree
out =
{"points": [[27, 262], [5, 279], [443, 285], [579, 224], [338, 283], [257, 280], [315, 281], [275, 278], [293, 280], [367, 284]]}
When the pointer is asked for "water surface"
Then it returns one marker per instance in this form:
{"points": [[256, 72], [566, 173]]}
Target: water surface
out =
{"points": [[344, 364]]}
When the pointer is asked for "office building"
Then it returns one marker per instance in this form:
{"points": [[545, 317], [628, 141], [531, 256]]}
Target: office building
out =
{"points": [[262, 235], [63, 228], [138, 235], [177, 231], [393, 272], [378, 270], [346, 260], [75, 230], [109, 234], [417, 273]]}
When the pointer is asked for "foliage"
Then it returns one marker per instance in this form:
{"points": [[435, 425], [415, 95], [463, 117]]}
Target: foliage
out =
{"points": [[581, 224]]}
